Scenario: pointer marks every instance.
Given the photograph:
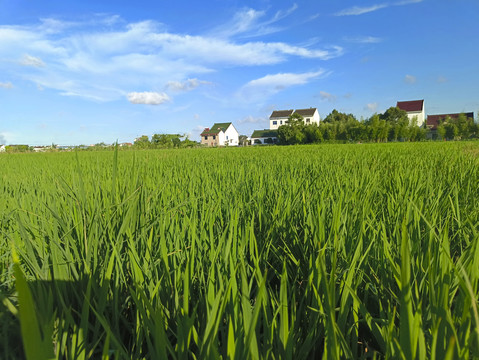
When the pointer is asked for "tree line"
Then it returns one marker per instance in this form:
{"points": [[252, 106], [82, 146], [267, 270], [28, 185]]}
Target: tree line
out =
{"points": [[392, 125], [163, 141]]}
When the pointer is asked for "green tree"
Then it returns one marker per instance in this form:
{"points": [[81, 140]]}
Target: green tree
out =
{"points": [[292, 133], [143, 142], [313, 134], [242, 140]]}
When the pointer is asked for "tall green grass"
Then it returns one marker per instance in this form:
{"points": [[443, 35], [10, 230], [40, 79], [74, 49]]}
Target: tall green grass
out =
{"points": [[333, 251]]}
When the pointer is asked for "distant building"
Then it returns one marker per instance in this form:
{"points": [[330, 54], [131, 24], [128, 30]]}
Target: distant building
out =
{"points": [[220, 134], [433, 121], [414, 110], [2, 148], [280, 117], [266, 136]]}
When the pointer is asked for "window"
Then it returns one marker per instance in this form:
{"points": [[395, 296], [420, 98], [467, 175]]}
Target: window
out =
{"points": [[214, 137], [307, 120], [281, 122], [275, 122], [226, 137], [206, 137]]}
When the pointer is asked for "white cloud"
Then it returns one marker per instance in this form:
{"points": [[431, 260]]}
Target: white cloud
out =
{"points": [[271, 84], [6, 85], [148, 98], [371, 106], [187, 85], [363, 39], [359, 10], [29, 60], [249, 23], [103, 57], [327, 96], [441, 79], [253, 120], [410, 79]]}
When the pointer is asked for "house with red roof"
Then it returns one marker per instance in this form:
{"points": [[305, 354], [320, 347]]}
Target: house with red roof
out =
{"points": [[433, 121], [220, 134], [414, 110]]}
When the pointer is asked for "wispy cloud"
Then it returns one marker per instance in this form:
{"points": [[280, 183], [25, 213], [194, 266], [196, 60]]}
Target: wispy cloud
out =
{"points": [[441, 79], [327, 96], [410, 79], [371, 106], [251, 23], [6, 85], [269, 85], [148, 98], [105, 58], [359, 10], [29, 60], [363, 39], [186, 85], [253, 120]]}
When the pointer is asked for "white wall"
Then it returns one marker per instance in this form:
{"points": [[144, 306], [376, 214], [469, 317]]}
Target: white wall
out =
{"points": [[279, 122], [419, 115], [230, 136]]}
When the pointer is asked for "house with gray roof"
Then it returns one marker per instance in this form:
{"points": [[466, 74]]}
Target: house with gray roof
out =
{"points": [[280, 117]]}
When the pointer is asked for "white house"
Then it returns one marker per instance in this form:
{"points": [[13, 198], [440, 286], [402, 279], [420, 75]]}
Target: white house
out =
{"points": [[265, 136], [220, 134], [280, 117], [2, 148], [414, 109]]}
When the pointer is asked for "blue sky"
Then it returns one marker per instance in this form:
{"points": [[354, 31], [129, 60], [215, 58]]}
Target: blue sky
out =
{"points": [[87, 71]]}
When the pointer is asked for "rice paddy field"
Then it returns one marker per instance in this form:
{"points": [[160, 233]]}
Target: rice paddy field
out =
{"points": [[309, 252]]}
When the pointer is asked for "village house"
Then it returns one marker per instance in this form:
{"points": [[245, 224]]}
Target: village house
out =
{"points": [[280, 117], [266, 136], [433, 121], [220, 134], [414, 110]]}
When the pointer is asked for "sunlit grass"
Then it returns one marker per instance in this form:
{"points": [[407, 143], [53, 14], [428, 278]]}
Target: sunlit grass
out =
{"points": [[332, 251]]}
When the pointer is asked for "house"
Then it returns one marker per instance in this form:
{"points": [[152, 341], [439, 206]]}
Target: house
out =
{"points": [[310, 116], [433, 121], [414, 110], [2, 148], [265, 136], [220, 134], [280, 117]]}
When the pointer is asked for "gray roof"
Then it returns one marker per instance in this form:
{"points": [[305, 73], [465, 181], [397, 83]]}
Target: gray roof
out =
{"points": [[281, 113], [305, 112]]}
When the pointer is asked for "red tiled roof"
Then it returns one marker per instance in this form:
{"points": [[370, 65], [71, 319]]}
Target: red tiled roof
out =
{"points": [[432, 121], [281, 113], [414, 105]]}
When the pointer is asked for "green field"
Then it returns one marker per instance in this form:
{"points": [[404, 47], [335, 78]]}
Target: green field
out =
{"points": [[329, 251]]}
